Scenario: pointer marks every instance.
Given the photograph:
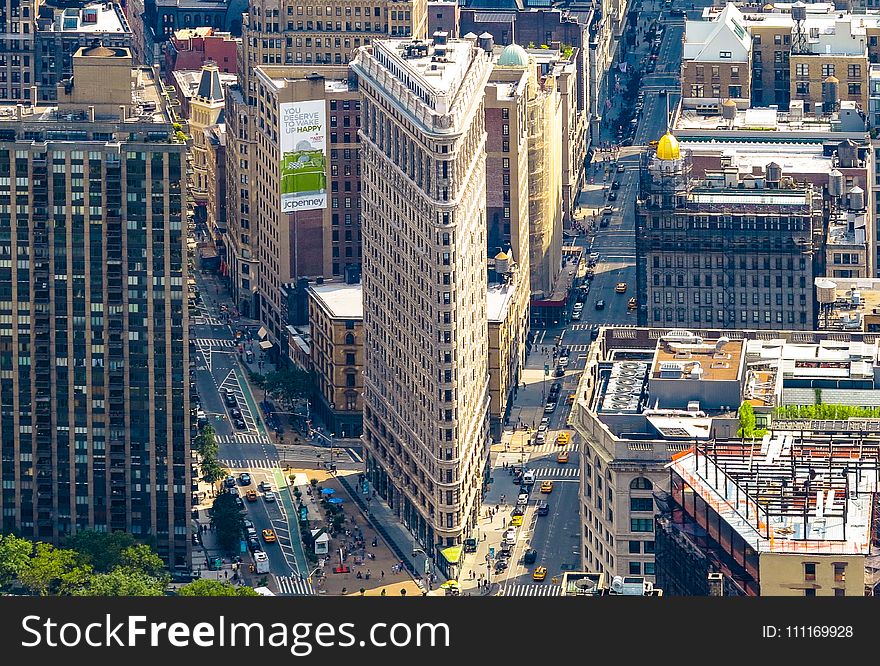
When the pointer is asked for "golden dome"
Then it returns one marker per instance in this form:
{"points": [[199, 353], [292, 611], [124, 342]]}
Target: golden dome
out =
{"points": [[501, 256], [667, 148]]}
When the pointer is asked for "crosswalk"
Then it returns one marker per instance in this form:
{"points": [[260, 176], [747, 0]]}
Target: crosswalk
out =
{"points": [[560, 472], [578, 348], [354, 454], [203, 320], [532, 590], [580, 327], [542, 449], [250, 463], [292, 586], [242, 438], [208, 343]]}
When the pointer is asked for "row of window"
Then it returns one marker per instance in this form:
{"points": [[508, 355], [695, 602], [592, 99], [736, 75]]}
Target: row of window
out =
{"points": [[680, 314], [679, 297]]}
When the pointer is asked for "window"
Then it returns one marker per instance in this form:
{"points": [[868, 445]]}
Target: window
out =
{"points": [[649, 568], [640, 483], [810, 592], [641, 525], [809, 571], [724, 54], [649, 547], [839, 572], [803, 88], [734, 91], [349, 358], [734, 72], [777, 39], [854, 71], [802, 69], [349, 338], [641, 504], [839, 592], [854, 88], [635, 568], [697, 91], [827, 70], [635, 547]]}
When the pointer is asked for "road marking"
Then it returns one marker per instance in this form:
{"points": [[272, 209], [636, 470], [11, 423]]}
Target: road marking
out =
{"points": [[555, 472], [532, 590], [214, 342], [250, 463], [292, 586], [242, 438]]}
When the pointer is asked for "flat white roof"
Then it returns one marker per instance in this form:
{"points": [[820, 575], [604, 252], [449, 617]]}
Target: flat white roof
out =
{"points": [[342, 301], [106, 20], [800, 158], [498, 299]]}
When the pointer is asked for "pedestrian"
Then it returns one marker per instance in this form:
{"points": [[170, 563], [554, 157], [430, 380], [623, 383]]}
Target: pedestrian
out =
{"points": [[383, 575]]}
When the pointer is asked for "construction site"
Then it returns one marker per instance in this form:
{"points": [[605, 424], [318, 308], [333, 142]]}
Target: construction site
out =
{"points": [[794, 513]]}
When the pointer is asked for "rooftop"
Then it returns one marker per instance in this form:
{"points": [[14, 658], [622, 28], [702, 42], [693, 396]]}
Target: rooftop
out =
{"points": [[95, 17], [685, 357], [791, 492], [498, 300], [426, 68], [752, 157], [856, 304], [336, 77], [188, 80], [340, 300]]}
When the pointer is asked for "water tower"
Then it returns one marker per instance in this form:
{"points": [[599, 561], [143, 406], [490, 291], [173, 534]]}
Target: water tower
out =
{"points": [[826, 295], [799, 45]]}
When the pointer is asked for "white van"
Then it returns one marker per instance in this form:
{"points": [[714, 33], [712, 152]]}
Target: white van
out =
{"points": [[529, 478]]}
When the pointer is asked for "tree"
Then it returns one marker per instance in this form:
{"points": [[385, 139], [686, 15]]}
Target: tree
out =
{"points": [[122, 582], [53, 569], [205, 443], [212, 470], [102, 550], [746, 420], [14, 555], [227, 520], [288, 385], [142, 559], [207, 587]]}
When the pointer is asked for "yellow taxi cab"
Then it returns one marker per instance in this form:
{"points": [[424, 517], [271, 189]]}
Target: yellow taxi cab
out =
{"points": [[632, 303], [540, 573], [516, 521], [562, 457], [546, 486], [563, 438], [570, 399], [620, 288], [269, 536], [251, 495]]}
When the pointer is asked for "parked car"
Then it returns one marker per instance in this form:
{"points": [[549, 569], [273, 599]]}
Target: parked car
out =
{"points": [[543, 508], [230, 481], [530, 556], [500, 565], [264, 486], [612, 196], [615, 185], [550, 407], [253, 544]]}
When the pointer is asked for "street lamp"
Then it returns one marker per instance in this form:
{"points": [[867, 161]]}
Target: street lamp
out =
{"points": [[429, 563]]}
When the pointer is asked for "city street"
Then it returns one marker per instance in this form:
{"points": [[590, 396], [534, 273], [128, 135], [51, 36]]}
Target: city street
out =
{"points": [[556, 536]]}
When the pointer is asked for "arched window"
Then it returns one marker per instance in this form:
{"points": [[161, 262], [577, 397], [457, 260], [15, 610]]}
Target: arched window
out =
{"points": [[598, 464], [640, 483], [349, 338]]}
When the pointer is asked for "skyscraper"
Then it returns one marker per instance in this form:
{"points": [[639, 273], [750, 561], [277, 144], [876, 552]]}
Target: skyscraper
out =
{"points": [[425, 323], [94, 404]]}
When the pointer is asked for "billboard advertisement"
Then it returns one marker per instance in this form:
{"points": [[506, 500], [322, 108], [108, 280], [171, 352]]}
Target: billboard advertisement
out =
{"points": [[303, 156]]}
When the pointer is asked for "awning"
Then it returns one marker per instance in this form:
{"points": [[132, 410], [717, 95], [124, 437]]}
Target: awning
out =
{"points": [[262, 333], [265, 344], [450, 585], [452, 554]]}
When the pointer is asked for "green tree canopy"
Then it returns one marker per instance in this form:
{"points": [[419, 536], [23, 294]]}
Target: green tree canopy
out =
{"points": [[122, 582], [15, 553], [205, 443], [228, 521], [54, 570], [288, 385], [208, 587], [102, 550], [212, 470], [141, 558]]}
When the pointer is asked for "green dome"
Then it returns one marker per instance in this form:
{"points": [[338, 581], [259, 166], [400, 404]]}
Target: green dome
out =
{"points": [[513, 55]]}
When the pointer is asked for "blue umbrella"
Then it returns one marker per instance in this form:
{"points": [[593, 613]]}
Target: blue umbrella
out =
{"points": [[335, 500], [327, 491]]}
